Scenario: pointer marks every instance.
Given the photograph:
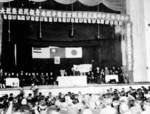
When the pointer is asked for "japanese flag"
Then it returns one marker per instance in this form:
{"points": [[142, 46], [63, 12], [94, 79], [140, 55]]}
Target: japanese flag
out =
{"points": [[74, 52]]}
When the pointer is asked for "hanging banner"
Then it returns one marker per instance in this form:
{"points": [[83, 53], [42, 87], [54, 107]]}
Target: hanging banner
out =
{"points": [[26, 14], [82, 68], [129, 47]]}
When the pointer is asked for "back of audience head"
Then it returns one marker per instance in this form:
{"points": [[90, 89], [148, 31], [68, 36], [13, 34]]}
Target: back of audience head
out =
{"points": [[124, 108], [87, 111], [53, 112], [146, 104]]}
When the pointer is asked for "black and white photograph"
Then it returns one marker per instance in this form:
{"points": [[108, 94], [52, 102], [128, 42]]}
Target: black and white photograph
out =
{"points": [[74, 57]]}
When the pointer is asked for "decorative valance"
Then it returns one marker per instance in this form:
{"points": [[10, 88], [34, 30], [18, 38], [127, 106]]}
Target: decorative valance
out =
{"points": [[63, 16], [38, 0], [117, 5], [66, 1], [3, 1]]}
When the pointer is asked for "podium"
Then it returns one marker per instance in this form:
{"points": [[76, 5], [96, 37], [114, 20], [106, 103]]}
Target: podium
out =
{"points": [[12, 82], [111, 77], [68, 81]]}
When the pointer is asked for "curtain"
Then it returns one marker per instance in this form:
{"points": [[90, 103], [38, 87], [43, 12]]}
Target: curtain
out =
{"points": [[65, 1], [6, 0], [117, 5], [90, 2], [38, 0]]}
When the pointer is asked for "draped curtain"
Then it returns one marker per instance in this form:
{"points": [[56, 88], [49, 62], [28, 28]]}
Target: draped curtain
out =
{"points": [[6, 1], [117, 5], [66, 1], [38, 0]]}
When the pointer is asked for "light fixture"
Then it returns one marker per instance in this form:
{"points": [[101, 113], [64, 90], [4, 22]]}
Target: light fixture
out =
{"points": [[98, 36], [9, 31], [72, 31], [98, 32], [40, 24]]}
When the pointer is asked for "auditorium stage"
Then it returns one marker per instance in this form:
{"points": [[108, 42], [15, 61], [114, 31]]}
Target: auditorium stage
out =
{"points": [[90, 88]]}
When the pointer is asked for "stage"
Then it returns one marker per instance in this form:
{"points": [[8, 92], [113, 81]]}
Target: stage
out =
{"points": [[55, 89]]}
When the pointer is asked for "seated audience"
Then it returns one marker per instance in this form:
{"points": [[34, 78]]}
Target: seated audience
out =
{"points": [[117, 101]]}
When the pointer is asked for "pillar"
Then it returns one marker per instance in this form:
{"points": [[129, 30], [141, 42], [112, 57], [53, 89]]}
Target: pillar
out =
{"points": [[147, 35], [135, 8]]}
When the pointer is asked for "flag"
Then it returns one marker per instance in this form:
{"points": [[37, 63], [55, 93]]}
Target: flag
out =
{"points": [[73, 52], [68, 52], [40, 53], [57, 52]]}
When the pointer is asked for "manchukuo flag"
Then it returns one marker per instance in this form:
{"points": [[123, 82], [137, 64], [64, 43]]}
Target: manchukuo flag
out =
{"points": [[75, 52], [40, 53]]}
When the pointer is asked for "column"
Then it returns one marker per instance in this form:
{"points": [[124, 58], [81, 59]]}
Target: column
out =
{"points": [[135, 8], [147, 37]]}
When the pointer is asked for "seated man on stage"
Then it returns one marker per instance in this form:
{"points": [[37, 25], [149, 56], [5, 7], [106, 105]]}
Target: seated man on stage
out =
{"points": [[90, 77], [102, 74], [97, 75]]}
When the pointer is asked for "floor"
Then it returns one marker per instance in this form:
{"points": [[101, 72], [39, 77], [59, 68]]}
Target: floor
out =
{"points": [[55, 89]]}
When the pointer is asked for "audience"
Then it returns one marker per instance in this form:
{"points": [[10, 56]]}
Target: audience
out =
{"points": [[132, 101]]}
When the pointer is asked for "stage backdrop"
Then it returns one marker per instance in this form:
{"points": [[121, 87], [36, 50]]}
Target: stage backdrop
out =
{"points": [[107, 53], [102, 52]]}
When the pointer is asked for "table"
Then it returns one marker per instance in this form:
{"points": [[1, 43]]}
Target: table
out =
{"points": [[65, 81], [111, 77], [12, 82]]}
